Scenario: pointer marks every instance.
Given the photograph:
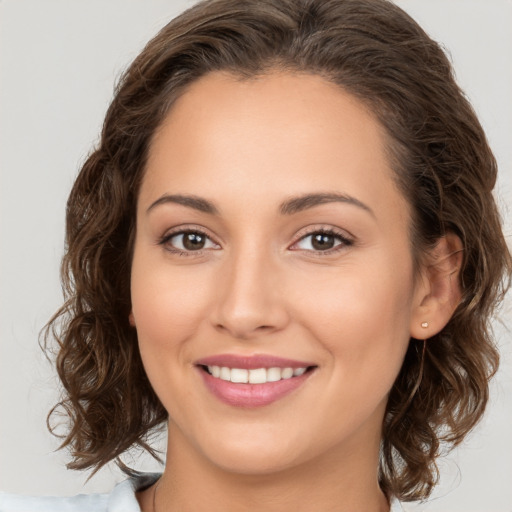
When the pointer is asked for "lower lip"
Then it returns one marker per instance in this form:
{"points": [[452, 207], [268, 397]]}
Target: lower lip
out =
{"points": [[252, 395]]}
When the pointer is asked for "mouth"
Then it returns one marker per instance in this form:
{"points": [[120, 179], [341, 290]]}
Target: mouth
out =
{"points": [[252, 381], [256, 375]]}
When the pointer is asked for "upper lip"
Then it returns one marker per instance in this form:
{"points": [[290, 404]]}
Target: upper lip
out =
{"points": [[252, 362]]}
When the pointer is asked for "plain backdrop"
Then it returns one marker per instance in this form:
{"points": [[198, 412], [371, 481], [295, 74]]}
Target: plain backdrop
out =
{"points": [[59, 61]]}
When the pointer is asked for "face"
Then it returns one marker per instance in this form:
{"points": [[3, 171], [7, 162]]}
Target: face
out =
{"points": [[272, 282]]}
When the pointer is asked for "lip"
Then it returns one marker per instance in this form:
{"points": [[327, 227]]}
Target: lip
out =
{"points": [[252, 362], [251, 395]]}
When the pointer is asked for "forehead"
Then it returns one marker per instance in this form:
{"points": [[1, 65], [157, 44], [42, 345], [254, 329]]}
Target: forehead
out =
{"points": [[267, 137], [294, 108]]}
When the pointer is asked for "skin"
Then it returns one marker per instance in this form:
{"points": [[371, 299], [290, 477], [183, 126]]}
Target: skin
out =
{"points": [[259, 286]]}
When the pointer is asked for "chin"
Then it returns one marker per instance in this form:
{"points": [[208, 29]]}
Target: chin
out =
{"points": [[252, 457], [253, 464]]}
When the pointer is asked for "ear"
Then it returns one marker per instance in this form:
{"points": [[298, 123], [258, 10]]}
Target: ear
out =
{"points": [[131, 319], [438, 291]]}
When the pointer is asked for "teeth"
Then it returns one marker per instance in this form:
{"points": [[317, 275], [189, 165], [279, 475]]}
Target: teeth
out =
{"points": [[238, 375], [286, 373], [256, 376], [273, 374]]}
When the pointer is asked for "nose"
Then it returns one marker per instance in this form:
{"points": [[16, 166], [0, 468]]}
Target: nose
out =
{"points": [[249, 300]]}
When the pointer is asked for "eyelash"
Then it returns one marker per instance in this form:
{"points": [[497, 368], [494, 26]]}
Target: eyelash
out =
{"points": [[343, 239], [180, 252]]}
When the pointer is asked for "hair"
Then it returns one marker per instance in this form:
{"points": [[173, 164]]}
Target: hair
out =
{"points": [[443, 165]]}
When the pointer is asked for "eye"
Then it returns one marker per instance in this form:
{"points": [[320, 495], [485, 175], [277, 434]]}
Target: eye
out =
{"points": [[322, 241], [188, 241]]}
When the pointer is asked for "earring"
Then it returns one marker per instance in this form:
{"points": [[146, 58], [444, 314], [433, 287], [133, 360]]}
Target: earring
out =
{"points": [[424, 325]]}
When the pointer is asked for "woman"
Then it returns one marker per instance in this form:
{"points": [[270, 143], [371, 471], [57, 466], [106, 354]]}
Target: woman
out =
{"points": [[256, 151]]}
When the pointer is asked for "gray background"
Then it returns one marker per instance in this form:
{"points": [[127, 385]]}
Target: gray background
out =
{"points": [[59, 60]]}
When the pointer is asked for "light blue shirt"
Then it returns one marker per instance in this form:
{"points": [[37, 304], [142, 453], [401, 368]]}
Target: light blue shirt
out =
{"points": [[121, 499]]}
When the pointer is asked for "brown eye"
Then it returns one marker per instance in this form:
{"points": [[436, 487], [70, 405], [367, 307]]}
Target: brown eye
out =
{"points": [[322, 241], [188, 241], [193, 241]]}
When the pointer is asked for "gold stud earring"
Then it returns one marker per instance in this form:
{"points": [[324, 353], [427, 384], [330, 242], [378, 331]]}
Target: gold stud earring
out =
{"points": [[424, 325]]}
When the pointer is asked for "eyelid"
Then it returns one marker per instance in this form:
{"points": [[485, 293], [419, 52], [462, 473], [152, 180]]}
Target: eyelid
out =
{"points": [[186, 228], [183, 229], [346, 238], [343, 236]]}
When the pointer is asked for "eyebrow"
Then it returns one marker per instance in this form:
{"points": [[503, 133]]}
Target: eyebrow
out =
{"points": [[195, 202], [288, 207], [304, 202]]}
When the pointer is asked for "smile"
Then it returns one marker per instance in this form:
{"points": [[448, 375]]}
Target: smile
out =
{"points": [[254, 376], [252, 381]]}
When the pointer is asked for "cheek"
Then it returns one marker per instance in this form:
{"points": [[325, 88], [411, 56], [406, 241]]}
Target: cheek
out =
{"points": [[167, 304], [362, 319], [168, 308]]}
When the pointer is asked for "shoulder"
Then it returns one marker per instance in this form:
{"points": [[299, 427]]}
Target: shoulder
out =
{"points": [[82, 502], [121, 499], [398, 506]]}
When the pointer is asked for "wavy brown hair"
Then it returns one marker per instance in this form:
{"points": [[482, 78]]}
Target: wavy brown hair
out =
{"points": [[442, 162]]}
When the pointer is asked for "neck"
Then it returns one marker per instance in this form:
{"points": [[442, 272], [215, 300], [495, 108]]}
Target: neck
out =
{"points": [[343, 480]]}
